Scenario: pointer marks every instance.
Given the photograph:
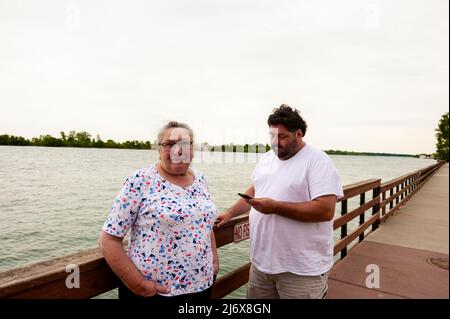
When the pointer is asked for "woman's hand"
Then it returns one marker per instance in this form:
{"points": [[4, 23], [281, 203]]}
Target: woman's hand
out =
{"points": [[149, 288], [216, 266]]}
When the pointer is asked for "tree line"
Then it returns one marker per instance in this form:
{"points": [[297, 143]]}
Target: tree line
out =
{"points": [[84, 139], [338, 152], [261, 148], [72, 139], [236, 148]]}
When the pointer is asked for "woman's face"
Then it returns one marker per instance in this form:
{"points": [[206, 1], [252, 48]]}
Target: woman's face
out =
{"points": [[176, 151]]}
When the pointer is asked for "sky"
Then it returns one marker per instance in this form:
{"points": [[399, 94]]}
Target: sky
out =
{"points": [[366, 75]]}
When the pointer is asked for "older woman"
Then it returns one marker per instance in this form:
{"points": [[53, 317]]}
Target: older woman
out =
{"points": [[170, 214]]}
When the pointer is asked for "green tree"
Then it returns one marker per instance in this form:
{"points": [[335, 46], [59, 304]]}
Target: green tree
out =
{"points": [[442, 138], [111, 144], [71, 139], [98, 142], [48, 140], [4, 139], [83, 139], [13, 140]]}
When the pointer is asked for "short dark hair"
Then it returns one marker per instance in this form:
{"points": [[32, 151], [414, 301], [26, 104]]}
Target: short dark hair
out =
{"points": [[288, 117]]}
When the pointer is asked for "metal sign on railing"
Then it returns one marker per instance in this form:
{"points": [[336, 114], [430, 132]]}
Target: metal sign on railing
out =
{"points": [[241, 231]]}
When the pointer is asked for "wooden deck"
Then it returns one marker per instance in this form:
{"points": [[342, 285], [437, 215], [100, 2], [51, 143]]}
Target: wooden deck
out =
{"points": [[410, 250]]}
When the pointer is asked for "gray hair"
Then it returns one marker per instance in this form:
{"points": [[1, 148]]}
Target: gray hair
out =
{"points": [[175, 124]]}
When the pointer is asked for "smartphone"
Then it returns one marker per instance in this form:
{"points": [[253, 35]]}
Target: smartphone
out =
{"points": [[245, 196]]}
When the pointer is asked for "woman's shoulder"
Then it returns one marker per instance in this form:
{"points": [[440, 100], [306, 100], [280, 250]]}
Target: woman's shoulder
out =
{"points": [[143, 173], [198, 174]]}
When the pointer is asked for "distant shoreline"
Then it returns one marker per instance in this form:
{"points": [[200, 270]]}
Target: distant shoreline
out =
{"points": [[84, 140]]}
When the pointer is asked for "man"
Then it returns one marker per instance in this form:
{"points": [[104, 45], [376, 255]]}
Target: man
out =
{"points": [[295, 189]]}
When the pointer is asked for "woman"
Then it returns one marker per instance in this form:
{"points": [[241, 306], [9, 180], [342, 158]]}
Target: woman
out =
{"points": [[169, 211]]}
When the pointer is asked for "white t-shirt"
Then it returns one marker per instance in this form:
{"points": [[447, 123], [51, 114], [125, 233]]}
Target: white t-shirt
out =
{"points": [[279, 244]]}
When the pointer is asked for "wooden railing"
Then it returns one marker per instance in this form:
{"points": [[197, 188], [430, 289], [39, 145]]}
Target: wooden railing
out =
{"points": [[400, 190], [350, 191], [48, 279]]}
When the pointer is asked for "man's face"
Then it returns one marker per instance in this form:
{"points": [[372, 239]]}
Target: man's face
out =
{"points": [[284, 143]]}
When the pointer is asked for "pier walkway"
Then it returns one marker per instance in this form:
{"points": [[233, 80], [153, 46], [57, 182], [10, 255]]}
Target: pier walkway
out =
{"points": [[410, 251]]}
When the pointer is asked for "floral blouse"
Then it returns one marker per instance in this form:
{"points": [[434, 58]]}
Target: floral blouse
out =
{"points": [[170, 229]]}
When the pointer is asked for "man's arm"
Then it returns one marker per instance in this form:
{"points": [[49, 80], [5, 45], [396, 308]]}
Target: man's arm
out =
{"points": [[319, 209], [239, 207]]}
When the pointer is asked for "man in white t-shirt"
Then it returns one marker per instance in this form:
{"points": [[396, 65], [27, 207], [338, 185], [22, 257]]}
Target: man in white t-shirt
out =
{"points": [[295, 189]]}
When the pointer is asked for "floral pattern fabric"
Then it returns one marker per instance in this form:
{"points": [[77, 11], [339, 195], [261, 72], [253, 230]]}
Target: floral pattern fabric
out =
{"points": [[170, 229]]}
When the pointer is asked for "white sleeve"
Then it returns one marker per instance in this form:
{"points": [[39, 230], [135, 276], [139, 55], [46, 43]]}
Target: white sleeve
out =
{"points": [[323, 178], [125, 207]]}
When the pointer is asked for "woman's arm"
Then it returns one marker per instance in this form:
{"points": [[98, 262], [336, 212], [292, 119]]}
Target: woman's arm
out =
{"points": [[123, 267], [215, 254]]}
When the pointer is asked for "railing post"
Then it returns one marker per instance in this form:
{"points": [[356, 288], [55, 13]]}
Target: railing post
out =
{"points": [[417, 181], [402, 188], [376, 207], [407, 187], [391, 203], [362, 201], [412, 184], [397, 199], [420, 179], [344, 227]]}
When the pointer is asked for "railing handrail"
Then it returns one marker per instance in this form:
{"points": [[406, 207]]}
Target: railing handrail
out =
{"points": [[357, 188], [402, 188], [47, 279]]}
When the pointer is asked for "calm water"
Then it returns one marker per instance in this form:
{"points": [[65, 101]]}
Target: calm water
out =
{"points": [[54, 200]]}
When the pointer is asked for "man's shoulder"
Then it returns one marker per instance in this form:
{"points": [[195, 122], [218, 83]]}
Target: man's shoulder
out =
{"points": [[316, 153], [266, 156]]}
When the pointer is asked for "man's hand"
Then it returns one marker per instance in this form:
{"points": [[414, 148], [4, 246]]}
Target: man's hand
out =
{"points": [[149, 288], [263, 205], [223, 218]]}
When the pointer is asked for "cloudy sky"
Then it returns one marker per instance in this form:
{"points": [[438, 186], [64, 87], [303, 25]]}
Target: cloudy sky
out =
{"points": [[367, 75]]}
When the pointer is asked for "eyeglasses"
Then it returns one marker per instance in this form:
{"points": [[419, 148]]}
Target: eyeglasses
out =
{"points": [[167, 146]]}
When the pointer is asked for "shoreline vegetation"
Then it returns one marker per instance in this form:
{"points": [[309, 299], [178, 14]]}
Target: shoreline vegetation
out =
{"points": [[85, 140]]}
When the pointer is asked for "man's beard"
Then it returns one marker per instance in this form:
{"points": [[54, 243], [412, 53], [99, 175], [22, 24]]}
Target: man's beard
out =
{"points": [[285, 152]]}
